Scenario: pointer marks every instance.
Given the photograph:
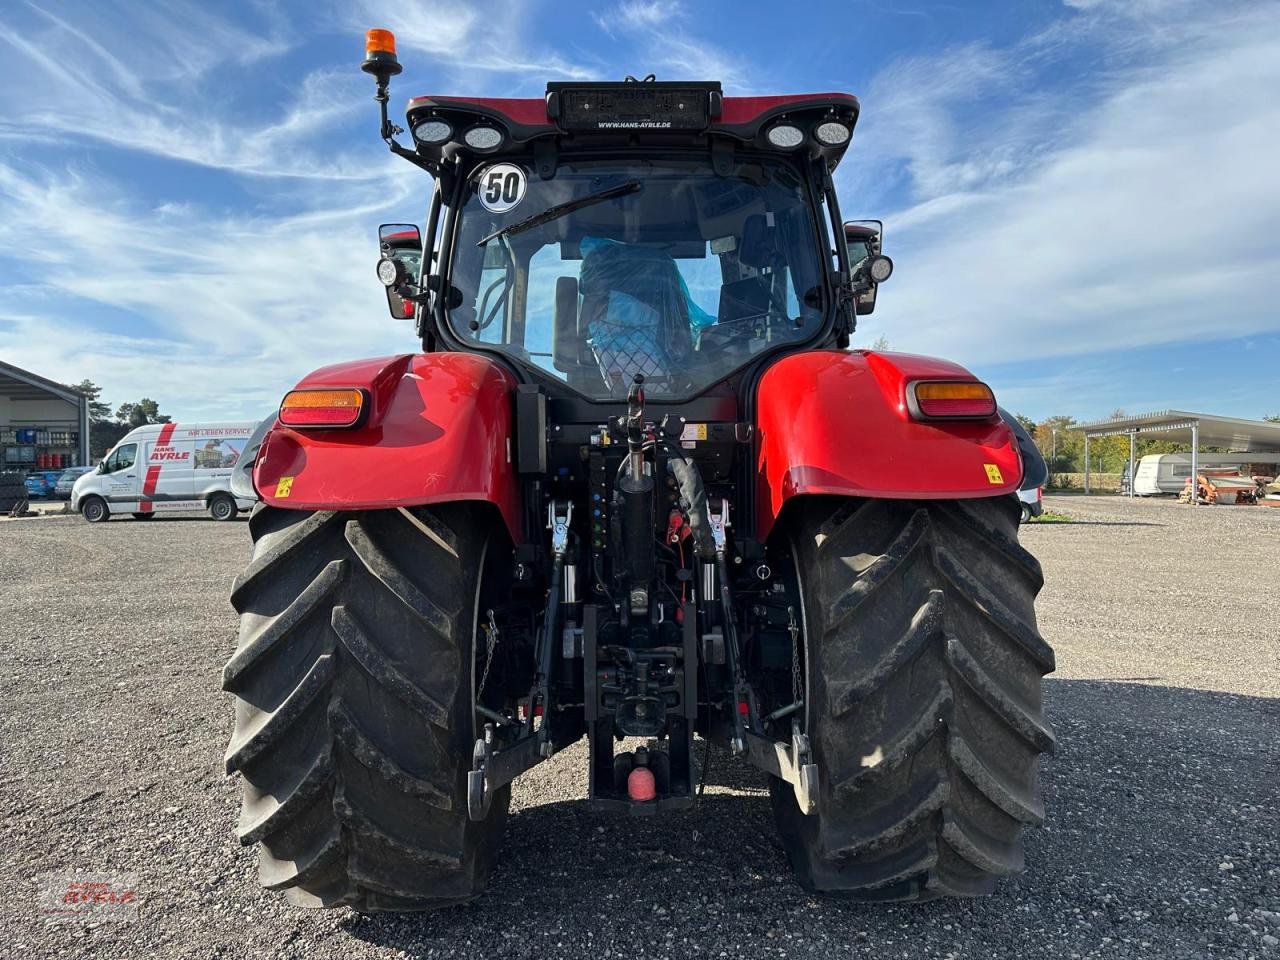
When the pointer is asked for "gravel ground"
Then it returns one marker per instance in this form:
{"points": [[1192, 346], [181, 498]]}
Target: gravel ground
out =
{"points": [[1163, 829]]}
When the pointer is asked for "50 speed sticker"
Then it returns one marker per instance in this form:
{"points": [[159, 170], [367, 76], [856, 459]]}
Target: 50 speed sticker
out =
{"points": [[501, 187]]}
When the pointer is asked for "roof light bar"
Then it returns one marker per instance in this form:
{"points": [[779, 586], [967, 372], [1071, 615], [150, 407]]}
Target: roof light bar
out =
{"points": [[950, 400], [322, 408]]}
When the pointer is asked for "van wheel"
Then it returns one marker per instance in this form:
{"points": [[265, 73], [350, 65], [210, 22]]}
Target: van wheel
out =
{"points": [[1026, 513], [144, 516], [222, 507], [94, 509]]}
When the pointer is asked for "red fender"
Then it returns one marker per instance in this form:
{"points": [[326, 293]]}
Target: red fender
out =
{"points": [[835, 422], [438, 429]]}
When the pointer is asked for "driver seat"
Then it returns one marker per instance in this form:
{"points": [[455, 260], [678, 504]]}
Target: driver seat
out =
{"points": [[634, 316]]}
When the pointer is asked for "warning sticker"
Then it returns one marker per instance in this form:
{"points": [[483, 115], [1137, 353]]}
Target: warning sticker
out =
{"points": [[283, 486], [993, 474], [694, 431], [501, 187]]}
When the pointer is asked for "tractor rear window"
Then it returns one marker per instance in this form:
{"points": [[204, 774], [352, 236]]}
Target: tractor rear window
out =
{"points": [[660, 268]]}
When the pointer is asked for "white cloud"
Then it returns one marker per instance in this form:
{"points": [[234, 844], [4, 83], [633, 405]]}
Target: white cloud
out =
{"points": [[663, 42], [228, 309], [94, 86], [1132, 208], [478, 38], [646, 14]]}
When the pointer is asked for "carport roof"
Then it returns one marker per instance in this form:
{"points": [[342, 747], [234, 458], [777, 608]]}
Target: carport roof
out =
{"points": [[19, 384], [1230, 432]]}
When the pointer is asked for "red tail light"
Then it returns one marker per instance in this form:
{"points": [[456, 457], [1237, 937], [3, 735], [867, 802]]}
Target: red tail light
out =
{"points": [[322, 408], [950, 400]]}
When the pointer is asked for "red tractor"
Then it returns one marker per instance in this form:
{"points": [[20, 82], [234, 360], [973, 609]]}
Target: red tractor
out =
{"points": [[635, 488]]}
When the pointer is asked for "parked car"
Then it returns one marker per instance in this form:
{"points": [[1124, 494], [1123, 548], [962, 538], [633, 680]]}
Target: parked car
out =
{"points": [[41, 483], [166, 466], [67, 480], [1035, 472], [1032, 502], [242, 477]]}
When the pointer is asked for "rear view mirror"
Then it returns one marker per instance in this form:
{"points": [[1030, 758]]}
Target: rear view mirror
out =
{"points": [[867, 267], [400, 246]]}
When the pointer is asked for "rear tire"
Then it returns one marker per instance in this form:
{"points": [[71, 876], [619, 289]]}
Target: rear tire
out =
{"points": [[222, 507], [1026, 512], [354, 709], [924, 707], [94, 509]]}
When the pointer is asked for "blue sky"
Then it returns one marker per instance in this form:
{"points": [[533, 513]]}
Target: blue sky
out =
{"points": [[1082, 199]]}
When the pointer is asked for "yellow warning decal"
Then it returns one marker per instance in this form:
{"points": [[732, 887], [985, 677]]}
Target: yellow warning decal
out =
{"points": [[285, 484], [993, 474]]}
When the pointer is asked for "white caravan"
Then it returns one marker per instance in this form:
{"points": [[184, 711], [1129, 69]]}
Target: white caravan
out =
{"points": [[1168, 472], [166, 467]]}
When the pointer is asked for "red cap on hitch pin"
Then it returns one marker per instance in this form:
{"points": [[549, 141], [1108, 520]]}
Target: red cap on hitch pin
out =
{"points": [[640, 784]]}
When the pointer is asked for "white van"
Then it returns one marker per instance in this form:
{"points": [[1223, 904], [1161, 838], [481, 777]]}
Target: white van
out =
{"points": [[1168, 472], [166, 467]]}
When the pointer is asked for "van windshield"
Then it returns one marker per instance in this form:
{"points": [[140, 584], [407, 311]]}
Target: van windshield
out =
{"points": [[659, 267]]}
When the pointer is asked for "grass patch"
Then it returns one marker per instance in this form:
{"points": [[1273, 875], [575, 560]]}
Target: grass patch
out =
{"points": [[1048, 517]]}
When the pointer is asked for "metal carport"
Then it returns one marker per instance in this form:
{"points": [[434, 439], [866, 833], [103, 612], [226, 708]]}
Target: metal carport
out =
{"points": [[1244, 436]]}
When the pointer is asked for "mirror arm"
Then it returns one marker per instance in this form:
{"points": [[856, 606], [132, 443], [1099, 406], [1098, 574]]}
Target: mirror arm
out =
{"points": [[421, 296]]}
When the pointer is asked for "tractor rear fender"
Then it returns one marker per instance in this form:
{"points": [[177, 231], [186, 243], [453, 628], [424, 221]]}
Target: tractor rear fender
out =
{"points": [[437, 429], [836, 422]]}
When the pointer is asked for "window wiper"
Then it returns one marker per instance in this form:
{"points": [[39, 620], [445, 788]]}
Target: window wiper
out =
{"points": [[561, 209]]}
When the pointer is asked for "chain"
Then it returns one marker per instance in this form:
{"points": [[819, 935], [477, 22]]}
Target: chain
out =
{"points": [[797, 681], [491, 641]]}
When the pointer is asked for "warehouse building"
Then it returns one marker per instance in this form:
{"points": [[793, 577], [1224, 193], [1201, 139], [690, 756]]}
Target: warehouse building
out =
{"points": [[43, 425]]}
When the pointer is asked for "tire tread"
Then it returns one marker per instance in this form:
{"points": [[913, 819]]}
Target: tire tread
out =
{"points": [[353, 728], [926, 719]]}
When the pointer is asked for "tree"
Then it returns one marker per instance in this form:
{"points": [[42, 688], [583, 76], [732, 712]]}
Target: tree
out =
{"points": [[103, 431], [881, 343], [1060, 443], [140, 414], [1272, 418], [103, 436], [1027, 424], [99, 410]]}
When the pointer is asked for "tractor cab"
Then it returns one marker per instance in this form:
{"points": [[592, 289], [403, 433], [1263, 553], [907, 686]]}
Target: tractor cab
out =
{"points": [[610, 230]]}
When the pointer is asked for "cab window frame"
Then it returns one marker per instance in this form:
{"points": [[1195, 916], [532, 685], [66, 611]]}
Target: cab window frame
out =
{"points": [[446, 224]]}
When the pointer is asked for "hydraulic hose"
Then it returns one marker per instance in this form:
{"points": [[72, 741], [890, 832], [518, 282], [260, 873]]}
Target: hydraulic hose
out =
{"points": [[692, 492]]}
